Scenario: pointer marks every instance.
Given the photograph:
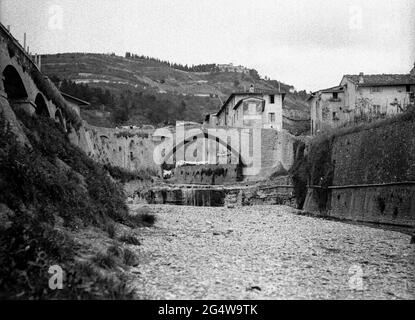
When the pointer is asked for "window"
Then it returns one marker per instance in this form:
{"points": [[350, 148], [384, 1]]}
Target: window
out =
{"points": [[335, 95], [272, 99], [271, 117], [375, 89], [408, 88], [335, 116], [376, 108]]}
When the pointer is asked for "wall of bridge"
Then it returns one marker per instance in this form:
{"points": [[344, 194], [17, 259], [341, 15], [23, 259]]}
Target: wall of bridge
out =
{"points": [[12, 54]]}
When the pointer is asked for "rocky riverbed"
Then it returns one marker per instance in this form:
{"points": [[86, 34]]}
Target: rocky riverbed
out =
{"points": [[269, 252]]}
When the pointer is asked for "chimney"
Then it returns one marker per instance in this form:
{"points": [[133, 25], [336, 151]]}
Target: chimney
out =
{"points": [[412, 72], [361, 79], [251, 89]]}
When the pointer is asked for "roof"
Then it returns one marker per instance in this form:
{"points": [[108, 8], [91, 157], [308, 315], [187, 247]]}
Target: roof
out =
{"points": [[75, 100], [328, 90], [370, 80], [249, 94], [332, 89], [242, 100]]}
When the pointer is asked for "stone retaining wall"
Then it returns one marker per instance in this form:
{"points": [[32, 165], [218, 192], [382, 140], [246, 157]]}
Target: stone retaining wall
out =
{"points": [[208, 174], [373, 169], [220, 196]]}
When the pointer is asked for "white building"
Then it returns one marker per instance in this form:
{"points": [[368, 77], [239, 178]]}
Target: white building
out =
{"points": [[250, 109], [360, 97]]}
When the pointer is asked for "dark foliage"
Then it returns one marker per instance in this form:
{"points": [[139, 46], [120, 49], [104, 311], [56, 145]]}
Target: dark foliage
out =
{"points": [[39, 190], [129, 258], [130, 238], [300, 173], [143, 218], [52, 93], [210, 67], [321, 169], [124, 176]]}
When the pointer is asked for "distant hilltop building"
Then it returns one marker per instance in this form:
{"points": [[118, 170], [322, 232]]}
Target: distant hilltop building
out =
{"points": [[231, 68], [361, 97], [250, 110]]}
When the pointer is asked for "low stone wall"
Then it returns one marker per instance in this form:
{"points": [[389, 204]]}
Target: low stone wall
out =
{"points": [[220, 196], [186, 196], [208, 174]]}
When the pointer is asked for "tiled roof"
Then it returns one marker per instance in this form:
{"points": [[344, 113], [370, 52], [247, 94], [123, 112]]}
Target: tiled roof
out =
{"points": [[332, 89], [242, 100], [264, 92], [328, 90], [382, 79]]}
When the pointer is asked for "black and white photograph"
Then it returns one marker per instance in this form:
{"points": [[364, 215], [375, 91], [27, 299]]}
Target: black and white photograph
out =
{"points": [[207, 156]]}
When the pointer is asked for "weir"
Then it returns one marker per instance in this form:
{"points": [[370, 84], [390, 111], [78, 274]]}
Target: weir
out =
{"points": [[218, 196]]}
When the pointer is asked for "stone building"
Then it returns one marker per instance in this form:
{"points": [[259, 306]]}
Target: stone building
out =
{"points": [[361, 97], [250, 110], [231, 68]]}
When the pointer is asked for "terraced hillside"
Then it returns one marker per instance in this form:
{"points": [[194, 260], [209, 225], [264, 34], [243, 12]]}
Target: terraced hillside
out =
{"points": [[201, 92]]}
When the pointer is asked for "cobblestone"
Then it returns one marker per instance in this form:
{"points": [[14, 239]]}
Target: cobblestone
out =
{"points": [[268, 252]]}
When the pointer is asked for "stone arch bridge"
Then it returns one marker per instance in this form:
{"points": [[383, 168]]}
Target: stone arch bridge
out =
{"points": [[22, 85]]}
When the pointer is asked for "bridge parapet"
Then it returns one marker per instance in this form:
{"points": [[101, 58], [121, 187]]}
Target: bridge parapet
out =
{"points": [[25, 87]]}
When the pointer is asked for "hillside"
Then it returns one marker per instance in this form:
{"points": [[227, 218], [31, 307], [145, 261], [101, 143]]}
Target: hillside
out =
{"points": [[60, 210], [187, 95]]}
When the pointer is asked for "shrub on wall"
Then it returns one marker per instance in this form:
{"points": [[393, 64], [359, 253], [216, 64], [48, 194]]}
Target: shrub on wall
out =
{"points": [[321, 169], [124, 175], [52, 93], [127, 134], [315, 168], [300, 173]]}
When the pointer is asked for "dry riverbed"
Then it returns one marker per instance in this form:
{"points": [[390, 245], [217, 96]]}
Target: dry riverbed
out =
{"points": [[268, 252]]}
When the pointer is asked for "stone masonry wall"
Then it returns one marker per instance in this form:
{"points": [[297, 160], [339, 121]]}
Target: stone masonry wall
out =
{"points": [[374, 169], [270, 151], [128, 149], [208, 174]]}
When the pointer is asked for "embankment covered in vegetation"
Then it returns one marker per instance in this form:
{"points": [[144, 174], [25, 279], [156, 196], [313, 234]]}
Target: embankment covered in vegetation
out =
{"points": [[50, 192]]}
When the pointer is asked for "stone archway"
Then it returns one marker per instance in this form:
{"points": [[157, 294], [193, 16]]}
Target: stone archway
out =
{"points": [[13, 84], [59, 118], [41, 106]]}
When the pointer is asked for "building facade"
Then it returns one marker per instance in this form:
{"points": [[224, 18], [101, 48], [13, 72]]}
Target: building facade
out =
{"points": [[360, 98], [250, 110]]}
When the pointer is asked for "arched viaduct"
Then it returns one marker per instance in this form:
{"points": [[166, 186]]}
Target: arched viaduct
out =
{"points": [[19, 89]]}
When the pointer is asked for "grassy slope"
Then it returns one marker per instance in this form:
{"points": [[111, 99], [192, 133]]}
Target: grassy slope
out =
{"points": [[118, 74], [52, 195]]}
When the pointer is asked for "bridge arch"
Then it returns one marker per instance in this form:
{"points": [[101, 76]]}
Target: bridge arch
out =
{"points": [[41, 106], [59, 118], [13, 84], [171, 154]]}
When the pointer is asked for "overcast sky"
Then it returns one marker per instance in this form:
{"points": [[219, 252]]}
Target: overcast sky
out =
{"points": [[307, 43]]}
